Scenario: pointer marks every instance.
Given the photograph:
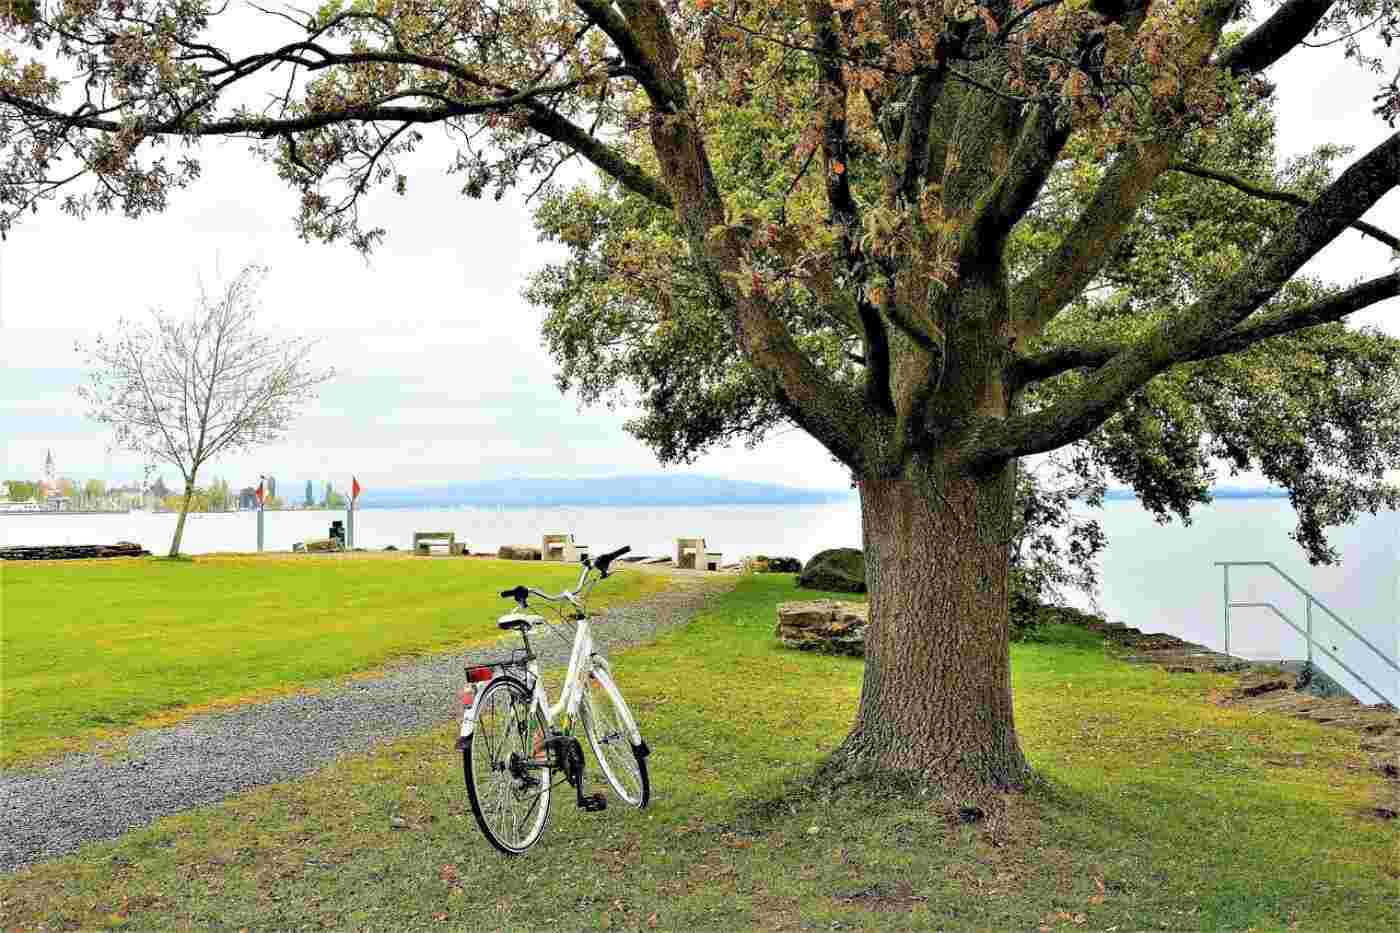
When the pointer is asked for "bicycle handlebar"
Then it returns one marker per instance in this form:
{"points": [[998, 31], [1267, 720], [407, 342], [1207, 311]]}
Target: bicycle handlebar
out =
{"points": [[521, 594]]}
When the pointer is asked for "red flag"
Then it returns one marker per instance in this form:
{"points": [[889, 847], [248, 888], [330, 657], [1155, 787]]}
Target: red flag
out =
{"points": [[260, 493], [354, 489]]}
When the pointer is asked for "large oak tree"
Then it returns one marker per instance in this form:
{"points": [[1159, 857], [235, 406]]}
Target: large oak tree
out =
{"points": [[938, 236]]}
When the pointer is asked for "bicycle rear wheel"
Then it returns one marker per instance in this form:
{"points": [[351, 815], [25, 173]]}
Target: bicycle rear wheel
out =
{"points": [[509, 790], [605, 717]]}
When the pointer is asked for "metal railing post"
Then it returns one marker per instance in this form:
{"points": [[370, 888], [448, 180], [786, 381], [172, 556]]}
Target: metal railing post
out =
{"points": [[1310, 635], [1305, 630], [1227, 610]]}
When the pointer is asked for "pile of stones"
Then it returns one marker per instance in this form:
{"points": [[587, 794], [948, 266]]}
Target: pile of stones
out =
{"points": [[827, 626], [73, 551]]}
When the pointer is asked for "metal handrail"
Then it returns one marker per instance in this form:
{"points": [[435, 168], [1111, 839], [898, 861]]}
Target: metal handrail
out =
{"points": [[1340, 663], [1225, 565]]}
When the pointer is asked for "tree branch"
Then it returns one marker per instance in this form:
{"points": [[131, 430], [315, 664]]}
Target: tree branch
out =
{"points": [[631, 40], [1327, 310], [1041, 139], [549, 123], [1271, 194], [1089, 244], [1275, 37], [845, 215], [1207, 321]]}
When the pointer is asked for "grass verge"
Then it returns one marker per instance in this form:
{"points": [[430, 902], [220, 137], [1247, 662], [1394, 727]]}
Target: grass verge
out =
{"points": [[89, 648], [1158, 810]]}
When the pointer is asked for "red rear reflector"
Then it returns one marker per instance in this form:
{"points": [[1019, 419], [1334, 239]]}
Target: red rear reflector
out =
{"points": [[468, 695], [478, 675]]}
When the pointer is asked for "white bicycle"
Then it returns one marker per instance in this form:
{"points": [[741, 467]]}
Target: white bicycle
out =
{"points": [[514, 750]]}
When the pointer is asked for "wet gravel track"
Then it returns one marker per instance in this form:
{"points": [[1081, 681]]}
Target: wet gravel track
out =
{"points": [[53, 809]]}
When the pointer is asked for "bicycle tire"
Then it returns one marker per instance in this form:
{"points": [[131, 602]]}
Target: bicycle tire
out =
{"points": [[492, 786], [617, 756]]}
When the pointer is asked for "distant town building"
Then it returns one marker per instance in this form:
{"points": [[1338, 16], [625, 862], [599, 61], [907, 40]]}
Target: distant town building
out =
{"points": [[247, 498]]}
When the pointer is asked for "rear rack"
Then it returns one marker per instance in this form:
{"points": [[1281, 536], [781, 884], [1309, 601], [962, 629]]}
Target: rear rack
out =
{"points": [[519, 657]]}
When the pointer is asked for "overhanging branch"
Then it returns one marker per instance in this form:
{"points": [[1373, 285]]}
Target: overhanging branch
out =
{"points": [[1323, 311], [1275, 37], [1256, 190], [1207, 321]]}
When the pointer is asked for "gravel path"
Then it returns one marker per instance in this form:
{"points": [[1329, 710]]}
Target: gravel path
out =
{"points": [[52, 810]]}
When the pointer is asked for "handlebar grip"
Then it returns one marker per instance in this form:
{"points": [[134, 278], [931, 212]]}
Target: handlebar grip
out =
{"points": [[519, 594], [602, 562]]}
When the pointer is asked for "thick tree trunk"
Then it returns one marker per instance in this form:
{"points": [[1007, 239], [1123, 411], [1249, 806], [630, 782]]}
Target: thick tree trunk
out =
{"points": [[937, 697], [180, 522]]}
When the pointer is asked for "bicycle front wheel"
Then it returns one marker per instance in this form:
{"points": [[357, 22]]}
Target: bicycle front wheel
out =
{"points": [[503, 762], [605, 716]]}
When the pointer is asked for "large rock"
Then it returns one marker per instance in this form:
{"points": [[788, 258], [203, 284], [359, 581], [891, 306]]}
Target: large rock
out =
{"points": [[825, 625], [838, 570]]}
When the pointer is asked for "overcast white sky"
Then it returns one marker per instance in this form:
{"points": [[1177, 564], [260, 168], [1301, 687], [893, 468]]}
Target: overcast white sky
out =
{"points": [[440, 372]]}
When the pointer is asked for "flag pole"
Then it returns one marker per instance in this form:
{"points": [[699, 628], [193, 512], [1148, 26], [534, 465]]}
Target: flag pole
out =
{"points": [[350, 512]]}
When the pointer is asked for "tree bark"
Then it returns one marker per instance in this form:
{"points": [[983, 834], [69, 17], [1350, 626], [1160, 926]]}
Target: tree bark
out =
{"points": [[936, 703], [180, 522]]}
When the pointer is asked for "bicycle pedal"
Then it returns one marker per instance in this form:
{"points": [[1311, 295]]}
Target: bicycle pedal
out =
{"points": [[593, 803]]}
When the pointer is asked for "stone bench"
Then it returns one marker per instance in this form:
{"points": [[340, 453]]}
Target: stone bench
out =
{"points": [[425, 541], [562, 548], [691, 554]]}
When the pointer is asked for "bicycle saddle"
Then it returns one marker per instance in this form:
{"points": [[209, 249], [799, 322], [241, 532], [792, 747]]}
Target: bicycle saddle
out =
{"points": [[520, 621]]}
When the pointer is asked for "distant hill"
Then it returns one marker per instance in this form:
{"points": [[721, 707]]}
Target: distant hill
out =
{"points": [[682, 489]]}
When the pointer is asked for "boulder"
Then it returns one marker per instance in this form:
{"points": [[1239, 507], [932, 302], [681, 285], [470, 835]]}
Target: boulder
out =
{"points": [[825, 625], [837, 570], [518, 552], [322, 544]]}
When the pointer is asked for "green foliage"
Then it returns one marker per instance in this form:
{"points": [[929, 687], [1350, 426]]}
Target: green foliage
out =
{"points": [[310, 499], [23, 490], [1316, 412]]}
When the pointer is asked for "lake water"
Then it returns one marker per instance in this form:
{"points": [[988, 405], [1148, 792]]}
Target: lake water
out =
{"points": [[1157, 578]]}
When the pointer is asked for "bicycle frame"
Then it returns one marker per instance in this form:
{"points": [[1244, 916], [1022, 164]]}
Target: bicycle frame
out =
{"points": [[584, 663]]}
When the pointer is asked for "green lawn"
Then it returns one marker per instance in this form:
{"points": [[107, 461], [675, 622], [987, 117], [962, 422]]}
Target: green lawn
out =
{"points": [[91, 646], [1158, 810]]}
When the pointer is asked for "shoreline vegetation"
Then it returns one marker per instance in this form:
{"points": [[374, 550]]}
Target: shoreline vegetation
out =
{"points": [[1155, 807]]}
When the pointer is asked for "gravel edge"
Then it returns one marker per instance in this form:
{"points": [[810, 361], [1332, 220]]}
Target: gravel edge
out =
{"points": [[55, 808]]}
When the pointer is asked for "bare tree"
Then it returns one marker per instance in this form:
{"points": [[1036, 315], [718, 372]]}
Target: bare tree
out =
{"points": [[183, 390]]}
